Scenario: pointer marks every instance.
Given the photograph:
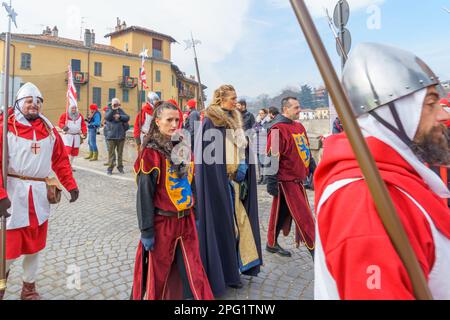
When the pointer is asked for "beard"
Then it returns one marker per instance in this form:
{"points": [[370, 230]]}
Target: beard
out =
{"points": [[31, 117], [433, 147]]}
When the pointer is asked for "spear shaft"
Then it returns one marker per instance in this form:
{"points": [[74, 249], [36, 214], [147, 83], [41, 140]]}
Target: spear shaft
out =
{"points": [[5, 155]]}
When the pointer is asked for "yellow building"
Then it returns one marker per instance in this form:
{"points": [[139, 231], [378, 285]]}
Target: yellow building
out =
{"points": [[101, 72]]}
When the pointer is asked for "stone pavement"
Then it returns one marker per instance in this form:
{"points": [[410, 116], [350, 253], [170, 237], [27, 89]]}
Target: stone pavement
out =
{"points": [[91, 247]]}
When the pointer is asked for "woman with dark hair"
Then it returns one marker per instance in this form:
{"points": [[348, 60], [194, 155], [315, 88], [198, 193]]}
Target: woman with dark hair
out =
{"points": [[168, 264]]}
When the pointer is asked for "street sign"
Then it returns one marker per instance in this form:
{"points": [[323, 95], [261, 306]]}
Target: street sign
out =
{"points": [[346, 40], [341, 14]]}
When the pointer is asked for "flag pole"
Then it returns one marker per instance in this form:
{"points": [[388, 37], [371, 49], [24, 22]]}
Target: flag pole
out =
{"points": [[11, 18], [376, 185]]}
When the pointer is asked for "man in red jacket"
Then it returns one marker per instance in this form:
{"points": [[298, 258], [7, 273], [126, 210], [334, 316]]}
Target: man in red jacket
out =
{"points": [[288, 147], [397, 108], [35, 150]]}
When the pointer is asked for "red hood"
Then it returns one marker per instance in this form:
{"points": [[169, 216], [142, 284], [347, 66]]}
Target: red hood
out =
{"points": [[339, 163], [147, 108]]}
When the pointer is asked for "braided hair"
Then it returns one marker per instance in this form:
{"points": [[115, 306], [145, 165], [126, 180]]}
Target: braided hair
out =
{"points": [[220, 94]]}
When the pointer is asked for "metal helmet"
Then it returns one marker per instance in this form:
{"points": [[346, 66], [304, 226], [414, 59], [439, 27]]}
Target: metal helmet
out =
{"points": [[376, 75], [29, 90], [153, 97]]}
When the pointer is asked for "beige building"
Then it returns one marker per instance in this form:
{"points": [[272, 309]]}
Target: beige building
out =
{"points": [[101, 72]]}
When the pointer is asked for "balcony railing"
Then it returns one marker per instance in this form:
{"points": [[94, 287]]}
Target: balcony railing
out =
{"points": [[186, 94], [128, 82], [79, 77]]}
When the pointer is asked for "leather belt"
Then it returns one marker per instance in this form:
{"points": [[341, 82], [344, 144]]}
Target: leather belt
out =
{"points": [[179, 215], [27, 178]]}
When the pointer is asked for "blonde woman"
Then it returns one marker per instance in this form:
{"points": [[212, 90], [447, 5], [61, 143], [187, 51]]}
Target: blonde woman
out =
{"points": [[227, 204]]}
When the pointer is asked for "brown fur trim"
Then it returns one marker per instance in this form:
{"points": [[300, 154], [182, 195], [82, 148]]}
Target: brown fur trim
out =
{"points": [[220, 118]]}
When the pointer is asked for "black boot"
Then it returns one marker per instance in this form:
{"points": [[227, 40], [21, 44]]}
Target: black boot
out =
{"points": [[279, 250]]}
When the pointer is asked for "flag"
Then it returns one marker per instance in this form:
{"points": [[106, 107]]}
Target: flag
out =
{"points": [[142, 74], [71, 90]]}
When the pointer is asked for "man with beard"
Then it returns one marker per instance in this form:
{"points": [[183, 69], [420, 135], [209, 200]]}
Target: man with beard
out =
{"points": [[74, 130], [35, 150], [397, 107]]}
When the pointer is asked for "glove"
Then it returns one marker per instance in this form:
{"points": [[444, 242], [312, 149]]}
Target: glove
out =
{"points": [[149, 244], [66, 129], [272, 186], [5, 204], [242, 172], [74, 195]]}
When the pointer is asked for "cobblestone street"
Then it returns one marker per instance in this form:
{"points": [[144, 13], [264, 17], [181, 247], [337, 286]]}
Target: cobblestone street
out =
{"points": [[98, 236]]}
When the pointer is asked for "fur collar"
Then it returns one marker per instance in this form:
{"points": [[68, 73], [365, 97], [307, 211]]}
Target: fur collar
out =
{"points": [[221, 118]]}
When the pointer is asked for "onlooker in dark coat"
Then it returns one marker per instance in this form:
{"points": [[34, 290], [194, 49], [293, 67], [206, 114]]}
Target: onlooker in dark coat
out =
{"points": [[116, 127], [248, 118]]}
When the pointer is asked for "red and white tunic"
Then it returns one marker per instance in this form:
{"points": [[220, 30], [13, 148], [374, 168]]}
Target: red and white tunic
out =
{"points": [[355, 258], [143, 121], [72, 139], [35, 150]]}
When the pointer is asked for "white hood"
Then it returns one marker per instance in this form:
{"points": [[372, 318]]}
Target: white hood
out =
{"points": [[409, 109]]}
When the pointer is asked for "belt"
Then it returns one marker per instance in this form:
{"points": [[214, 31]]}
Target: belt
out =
{"points": [[27, 178], [179, 215]]}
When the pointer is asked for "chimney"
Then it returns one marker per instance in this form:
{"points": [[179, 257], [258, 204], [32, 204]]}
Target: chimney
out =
{"points": [[55, 31], [124, 25], [92, 37], [87, 38], [117, 28], [47, 31]]}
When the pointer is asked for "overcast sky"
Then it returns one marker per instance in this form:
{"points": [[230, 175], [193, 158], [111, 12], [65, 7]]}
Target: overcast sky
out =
{"points": [[256, 45]]}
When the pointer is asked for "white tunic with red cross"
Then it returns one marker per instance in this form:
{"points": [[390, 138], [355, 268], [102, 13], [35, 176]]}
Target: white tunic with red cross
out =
{"points": [[34, 150], [76, 127]]}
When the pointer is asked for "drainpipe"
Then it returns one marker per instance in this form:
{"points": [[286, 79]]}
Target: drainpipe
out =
{"points": [[89, 81]]}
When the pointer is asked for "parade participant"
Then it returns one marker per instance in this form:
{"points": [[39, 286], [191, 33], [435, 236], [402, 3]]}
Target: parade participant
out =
{"points": [[173, 102], [395, 98], [168, 263], [337, 126], [289, 151], [248, 117], [94, 122], [193, 118], [144, 118], [227, 196], [116, 129], [74, 131], [261, 142], [41, 150]]}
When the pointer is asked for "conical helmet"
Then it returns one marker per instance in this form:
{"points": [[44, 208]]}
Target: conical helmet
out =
{"points": [[29, 90], [376, 75]]}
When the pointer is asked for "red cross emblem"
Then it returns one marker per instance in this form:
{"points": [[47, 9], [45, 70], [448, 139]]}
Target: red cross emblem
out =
{"points": [[35, 148]]}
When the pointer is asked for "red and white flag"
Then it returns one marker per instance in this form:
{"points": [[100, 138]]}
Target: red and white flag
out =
{"points": [[143, 74], [71, 90]]}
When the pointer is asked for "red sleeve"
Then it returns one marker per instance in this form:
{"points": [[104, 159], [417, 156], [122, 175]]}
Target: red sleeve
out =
{"points": [[3, 193], [137, 126], [83, 126], [62, 120], [61, 164], [359, 254]]}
